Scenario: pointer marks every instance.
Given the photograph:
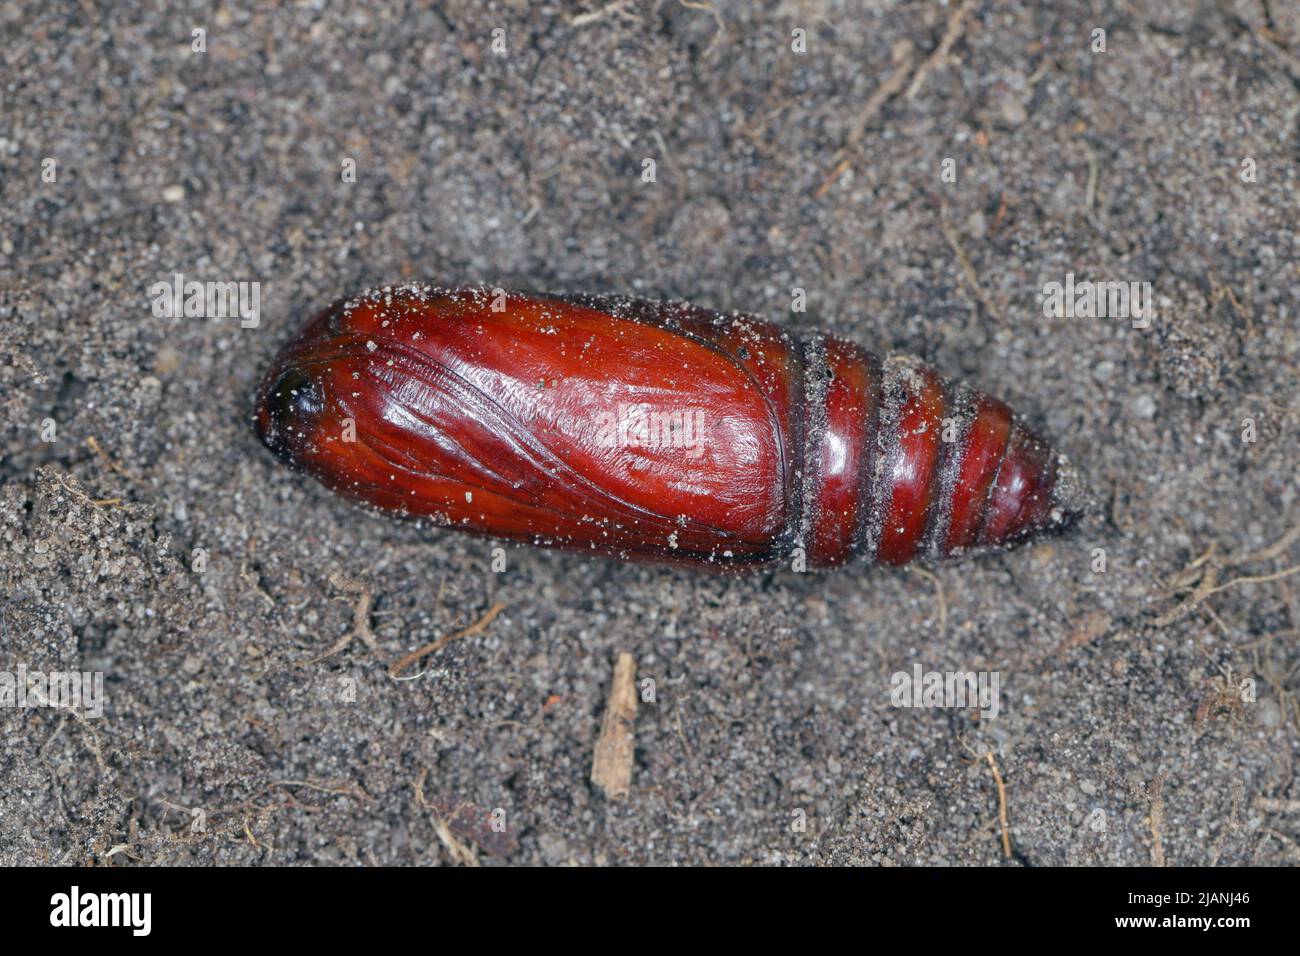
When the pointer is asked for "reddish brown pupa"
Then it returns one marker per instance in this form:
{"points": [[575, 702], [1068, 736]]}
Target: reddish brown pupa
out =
{"points": [[652, 430]]}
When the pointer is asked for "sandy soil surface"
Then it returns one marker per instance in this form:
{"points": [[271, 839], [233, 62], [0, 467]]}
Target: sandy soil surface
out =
{"points": [[1148, 712]]}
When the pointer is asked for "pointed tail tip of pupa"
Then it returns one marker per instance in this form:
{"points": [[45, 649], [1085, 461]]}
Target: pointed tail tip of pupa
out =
{"points": [[1072, 499]]}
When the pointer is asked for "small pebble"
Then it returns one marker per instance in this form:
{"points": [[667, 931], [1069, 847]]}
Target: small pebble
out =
{"points": [[1012, 110], [1144, 406]]}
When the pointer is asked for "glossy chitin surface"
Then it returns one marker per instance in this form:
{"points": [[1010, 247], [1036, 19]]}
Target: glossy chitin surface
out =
{"points": [[649, 430]]}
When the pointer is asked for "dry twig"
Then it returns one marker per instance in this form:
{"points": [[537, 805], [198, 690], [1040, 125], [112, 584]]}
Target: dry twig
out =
{"points": [[968, 270], [477, 627], [360, 619], [611, 765], [1201, 577], [1003, 817], [950, 35]]}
